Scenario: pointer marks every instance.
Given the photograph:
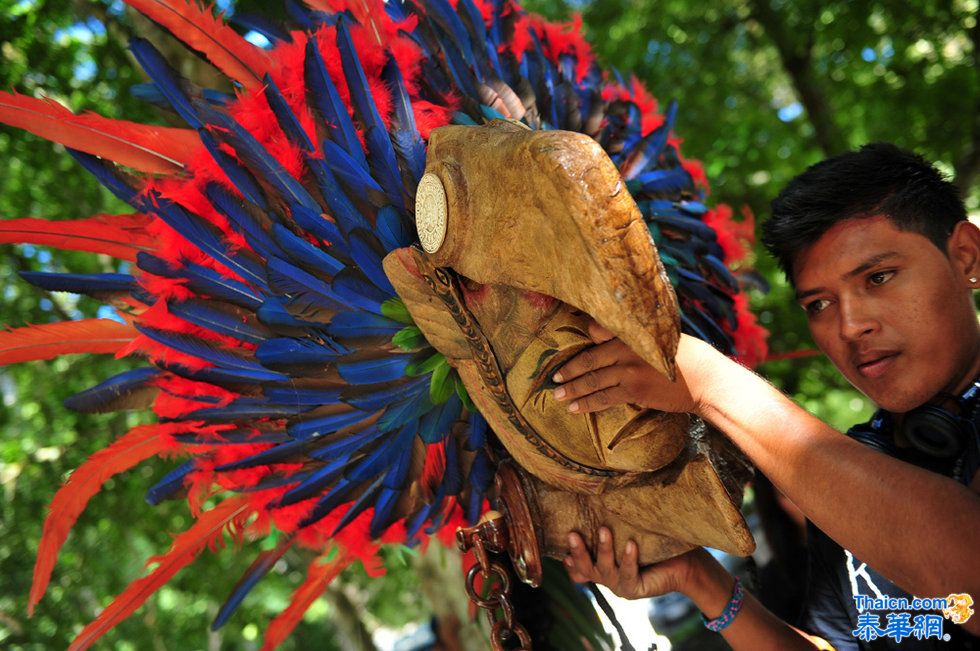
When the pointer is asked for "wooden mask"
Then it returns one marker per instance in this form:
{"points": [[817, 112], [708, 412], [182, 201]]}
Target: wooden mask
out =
{"points": [[526, 235]]}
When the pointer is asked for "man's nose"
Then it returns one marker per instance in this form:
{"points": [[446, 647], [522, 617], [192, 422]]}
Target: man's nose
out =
{"points": [[856, 320]]}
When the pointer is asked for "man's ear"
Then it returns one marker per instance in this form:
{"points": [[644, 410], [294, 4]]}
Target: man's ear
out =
{"points": [[963, 249]]}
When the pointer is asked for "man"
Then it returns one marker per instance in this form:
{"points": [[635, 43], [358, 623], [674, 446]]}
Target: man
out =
{"points": [[884, 262]]}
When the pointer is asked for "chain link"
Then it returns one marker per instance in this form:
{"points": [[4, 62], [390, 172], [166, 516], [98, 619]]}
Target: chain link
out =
{"points": [[490, 536]]}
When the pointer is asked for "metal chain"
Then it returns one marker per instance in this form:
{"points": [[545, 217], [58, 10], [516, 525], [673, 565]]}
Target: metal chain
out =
{"points": [[490, 536]]}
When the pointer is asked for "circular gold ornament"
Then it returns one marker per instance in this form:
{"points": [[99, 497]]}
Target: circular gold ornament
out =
{"points": [[430, 212]]}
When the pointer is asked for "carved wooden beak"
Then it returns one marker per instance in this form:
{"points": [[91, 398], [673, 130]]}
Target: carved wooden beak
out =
{"points": [[546, 211]]}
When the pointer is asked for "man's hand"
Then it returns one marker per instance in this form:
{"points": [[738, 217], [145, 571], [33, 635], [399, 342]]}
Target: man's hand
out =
{"points": [[626, 579], [610, 374]]}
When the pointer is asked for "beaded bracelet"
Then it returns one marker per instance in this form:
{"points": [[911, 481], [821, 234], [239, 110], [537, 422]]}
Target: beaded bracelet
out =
{"points": [[727, 616]]}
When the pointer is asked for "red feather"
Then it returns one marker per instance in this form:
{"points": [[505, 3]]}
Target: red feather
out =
{"points": [[34, 342], [146, 147], [201, 30], [120, 236], [206, 531], [318, 577], [137, 445]]}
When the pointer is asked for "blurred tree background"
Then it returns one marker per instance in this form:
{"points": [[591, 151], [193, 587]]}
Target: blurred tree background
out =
{"points": [[766, 88]]}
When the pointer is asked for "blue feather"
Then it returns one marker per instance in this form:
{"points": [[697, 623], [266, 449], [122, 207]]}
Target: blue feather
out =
{"points": [[361, 324], [312, 484], [278, 454], [476, 435], [387, 395], [170, 485], [406, 410], [314, 222], [348, 170], [405, 135], [237, 173], [436, 424], [331, 448], [374, 371], [258, 569], [107, 174], [392, 230], [223, 376], [337, 496], [317, 427], [365, 500], [449, 20], [201, 349], [308, 19], [341, 208], [364, 250], [303, 252], [326, 101], [385, 455], [204, 236], [382, 155], [91, 284], [202, 280], [274, 33], [385, 513], [351, 287], [287, 351], [653, 144], [660, 181], [287, 120], [246, 436], [452, 479], [244, 409], [103, 396], [295, 396], [231, 207], [255, 156], [207, 315], [166, 79], [298, 284], [721, 272]]}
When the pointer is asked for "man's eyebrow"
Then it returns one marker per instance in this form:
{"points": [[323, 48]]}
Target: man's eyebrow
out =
{"points": [[867, 264], [861, 268]]}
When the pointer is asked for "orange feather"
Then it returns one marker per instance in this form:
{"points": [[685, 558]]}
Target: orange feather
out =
{"points": [[65, 338], [205, 532], [137, 445], [120, 236], [318, 577], [201, 30], [146, 147]]}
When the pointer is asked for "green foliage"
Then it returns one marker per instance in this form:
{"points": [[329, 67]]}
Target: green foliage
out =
{"points": [[766, 88]]}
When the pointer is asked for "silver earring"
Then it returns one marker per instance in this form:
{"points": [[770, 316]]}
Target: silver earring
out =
{"points": [[973, 280]]}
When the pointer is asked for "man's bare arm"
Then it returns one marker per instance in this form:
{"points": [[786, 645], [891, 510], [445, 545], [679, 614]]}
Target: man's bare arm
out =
{"points": [[919, 529]]}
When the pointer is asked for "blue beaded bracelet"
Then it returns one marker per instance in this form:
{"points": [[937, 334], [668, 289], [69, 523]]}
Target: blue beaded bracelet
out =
{"points": [[727, 616]]}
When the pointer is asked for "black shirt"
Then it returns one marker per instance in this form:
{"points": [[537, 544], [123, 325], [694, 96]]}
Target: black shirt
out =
{"points": [[836, 576]]}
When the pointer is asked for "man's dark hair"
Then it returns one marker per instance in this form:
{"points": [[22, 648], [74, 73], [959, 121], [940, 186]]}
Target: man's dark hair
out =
{"points": [[878, 179]]}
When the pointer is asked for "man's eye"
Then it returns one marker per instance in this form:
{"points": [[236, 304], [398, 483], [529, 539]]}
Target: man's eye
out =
{"points": [[880, 277], [816, 307]]}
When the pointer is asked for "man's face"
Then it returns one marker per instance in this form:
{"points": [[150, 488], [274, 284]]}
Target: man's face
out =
{"points": [[891, 311]]}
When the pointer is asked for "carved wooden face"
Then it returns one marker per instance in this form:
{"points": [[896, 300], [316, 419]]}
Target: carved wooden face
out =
{"points": [[528, 234]]}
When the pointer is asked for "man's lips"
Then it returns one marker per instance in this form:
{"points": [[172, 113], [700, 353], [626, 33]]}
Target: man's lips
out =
{"points": [[875, 364]]}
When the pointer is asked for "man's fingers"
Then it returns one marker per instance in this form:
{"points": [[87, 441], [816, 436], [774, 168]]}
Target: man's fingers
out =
{"points": [[629, 567], [598, 333], [605, 555], [590, 359], [578, 555], [588, 384], [599, 401]]}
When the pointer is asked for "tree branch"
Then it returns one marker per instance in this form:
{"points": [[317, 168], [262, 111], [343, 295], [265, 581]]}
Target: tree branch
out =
{"points": [[797, 62]]}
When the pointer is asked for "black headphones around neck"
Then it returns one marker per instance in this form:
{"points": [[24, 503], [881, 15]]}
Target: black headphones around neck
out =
{"points": [[931, 429]]}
